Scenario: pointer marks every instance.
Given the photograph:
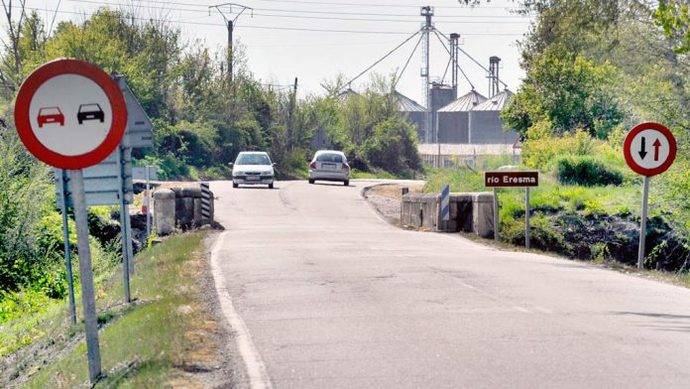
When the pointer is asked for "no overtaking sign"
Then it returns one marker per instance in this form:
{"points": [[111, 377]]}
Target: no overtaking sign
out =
{"points": [[70, 114]]}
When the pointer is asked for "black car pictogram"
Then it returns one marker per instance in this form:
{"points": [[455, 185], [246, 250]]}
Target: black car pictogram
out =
{"points": [[90, 112]]}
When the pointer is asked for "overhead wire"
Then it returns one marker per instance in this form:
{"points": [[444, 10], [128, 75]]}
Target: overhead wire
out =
{"points": [[414, 50], [349, 83], [204, 11], [445, 72], [248, 26], [308, 2], [283, 10], [470, 57], [449, 53]]}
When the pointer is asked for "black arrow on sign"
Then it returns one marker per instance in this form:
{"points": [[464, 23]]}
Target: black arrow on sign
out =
{"points": [[656, 145], [643, 148]]}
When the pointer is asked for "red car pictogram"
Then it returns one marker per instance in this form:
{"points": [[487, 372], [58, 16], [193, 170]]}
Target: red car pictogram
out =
{"points": [[49, 115]]}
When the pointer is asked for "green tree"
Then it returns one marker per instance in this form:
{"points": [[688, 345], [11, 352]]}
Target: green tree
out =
{"points": [[674, 17], [569, 91]]}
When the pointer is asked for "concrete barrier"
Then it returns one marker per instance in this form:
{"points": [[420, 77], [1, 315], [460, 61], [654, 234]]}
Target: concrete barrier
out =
{"points": [[419, 211], [164, 211], [483, 214], [180, 208], [469, 212]]}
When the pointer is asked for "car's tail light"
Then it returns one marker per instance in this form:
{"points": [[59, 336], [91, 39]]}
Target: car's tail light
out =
{"points": [[312, 165], [346, 166]]}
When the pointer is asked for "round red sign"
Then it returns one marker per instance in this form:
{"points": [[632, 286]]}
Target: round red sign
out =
{"points": [[650, 149], [70, 114]]}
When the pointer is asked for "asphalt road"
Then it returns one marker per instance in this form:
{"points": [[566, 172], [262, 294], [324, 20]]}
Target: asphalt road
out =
{"points": [[334, 297]]}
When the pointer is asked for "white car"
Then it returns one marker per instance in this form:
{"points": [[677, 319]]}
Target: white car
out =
{"points": [[253, 168], [329, 165]]}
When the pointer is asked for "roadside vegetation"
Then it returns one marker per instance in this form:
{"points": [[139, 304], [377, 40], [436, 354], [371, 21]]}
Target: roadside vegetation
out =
{"points": [[202, 119], [166, 333], [594, 70]]}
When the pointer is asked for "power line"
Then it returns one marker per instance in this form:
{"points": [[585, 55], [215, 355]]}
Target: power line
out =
{"points": [[283, 10], [305, 29], [189, 22], [166, 8], [369, 4]]}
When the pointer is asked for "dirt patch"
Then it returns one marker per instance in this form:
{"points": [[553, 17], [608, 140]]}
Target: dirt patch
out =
{"points": [[209, 362], [386, 199]]}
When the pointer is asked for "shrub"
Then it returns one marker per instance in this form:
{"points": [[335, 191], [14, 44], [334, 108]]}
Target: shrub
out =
{"points": [[541, 150], [586, 171]]}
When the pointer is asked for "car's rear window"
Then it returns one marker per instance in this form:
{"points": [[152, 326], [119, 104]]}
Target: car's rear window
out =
{"points": [[328, 157], [89, 107], [253, 159], [49, 111]]}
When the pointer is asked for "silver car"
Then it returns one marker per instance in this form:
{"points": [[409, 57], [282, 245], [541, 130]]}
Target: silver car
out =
{"points": [[253, 168], [329, 165]]}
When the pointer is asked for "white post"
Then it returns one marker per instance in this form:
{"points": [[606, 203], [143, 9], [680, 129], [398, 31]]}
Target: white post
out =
{"points": [[643, 223], [93, 351], [148, 202], [527, 212], [495, 214]]}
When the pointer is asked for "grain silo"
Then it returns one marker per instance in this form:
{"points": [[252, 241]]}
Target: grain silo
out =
{"points": [[413, 111], [485, 125], [441, 95], [453, 119]]}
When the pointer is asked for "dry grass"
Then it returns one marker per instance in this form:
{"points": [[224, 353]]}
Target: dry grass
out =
{"points": [[170, 337]]}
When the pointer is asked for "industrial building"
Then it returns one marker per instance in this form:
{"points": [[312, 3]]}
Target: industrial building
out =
{"points": [[453, 119], [448, 126]]}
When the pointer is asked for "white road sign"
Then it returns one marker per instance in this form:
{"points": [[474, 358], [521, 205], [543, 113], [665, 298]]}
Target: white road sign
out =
{"points": [[650, 149], [83, 113]]}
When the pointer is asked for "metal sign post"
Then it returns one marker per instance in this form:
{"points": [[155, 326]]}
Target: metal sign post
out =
{"points": [[648, 161], [512, 179], [124, 230], [71, 115], [68, 254], [643, 223], [495, 214], [88, 298], [527, 212], [148, 202]]}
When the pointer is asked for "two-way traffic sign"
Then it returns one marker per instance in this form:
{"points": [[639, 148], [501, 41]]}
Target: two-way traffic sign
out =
{"points": [[650, 149]]}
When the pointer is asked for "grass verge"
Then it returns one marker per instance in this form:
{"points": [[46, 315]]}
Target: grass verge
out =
{"points": [[167, 333]]}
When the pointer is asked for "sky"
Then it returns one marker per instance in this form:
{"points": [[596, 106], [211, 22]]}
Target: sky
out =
{"points": [[315, 40]]}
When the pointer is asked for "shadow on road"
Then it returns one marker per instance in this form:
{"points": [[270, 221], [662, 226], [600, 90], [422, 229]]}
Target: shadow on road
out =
{"points": [[334, 184], [257, 187], [671, 322]]}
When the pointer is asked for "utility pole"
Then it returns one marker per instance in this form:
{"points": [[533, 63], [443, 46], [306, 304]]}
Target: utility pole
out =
{"points": [[428, 13], [291, 116], [225, 10]]}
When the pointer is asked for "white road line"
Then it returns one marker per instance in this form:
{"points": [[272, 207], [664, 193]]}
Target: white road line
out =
{"points": [[256, 370]]}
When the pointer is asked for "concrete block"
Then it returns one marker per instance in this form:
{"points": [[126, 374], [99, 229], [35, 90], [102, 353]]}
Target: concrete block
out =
{"points": [[197, 218], [483, 214], [213, 210], [419, 211], [164, 211], [184, 212]]}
